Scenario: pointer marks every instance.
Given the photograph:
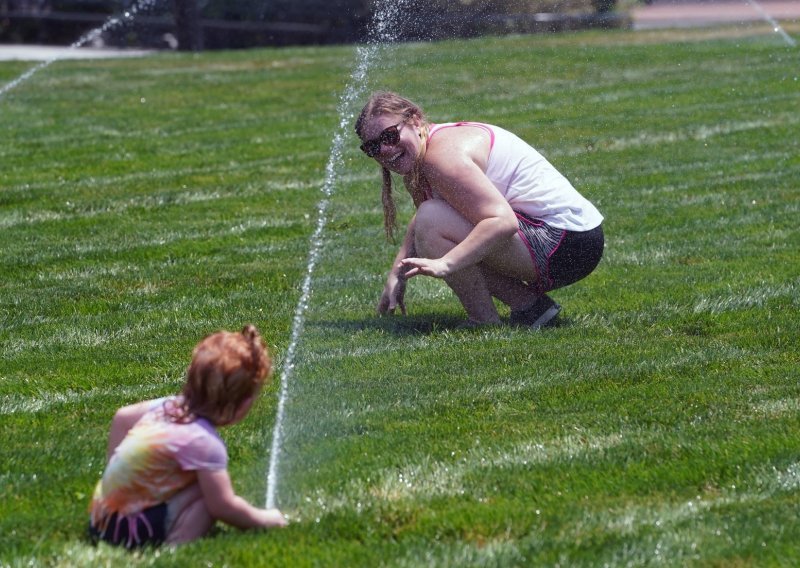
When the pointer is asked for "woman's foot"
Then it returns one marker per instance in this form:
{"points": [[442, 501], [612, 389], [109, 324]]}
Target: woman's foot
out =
{"points": [[542, 313]]}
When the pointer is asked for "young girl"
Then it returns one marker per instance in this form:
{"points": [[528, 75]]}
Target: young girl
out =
{"points": [[166, 479]]}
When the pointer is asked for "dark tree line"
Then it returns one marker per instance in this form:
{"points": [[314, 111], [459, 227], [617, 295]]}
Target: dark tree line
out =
{"points": [[196, 24]]}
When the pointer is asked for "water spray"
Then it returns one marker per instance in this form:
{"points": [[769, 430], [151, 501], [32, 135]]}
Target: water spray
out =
{"points": [[772, 22], [88, 37], [381, 32]]}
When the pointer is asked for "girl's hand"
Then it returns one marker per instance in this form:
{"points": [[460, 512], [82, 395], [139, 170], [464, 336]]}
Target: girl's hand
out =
{"points": [[224, 504], [273, 518], [435, 267], [393, 294]]}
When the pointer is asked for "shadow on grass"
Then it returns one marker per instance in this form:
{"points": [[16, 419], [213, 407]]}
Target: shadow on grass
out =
{"points": [[427, 324]]}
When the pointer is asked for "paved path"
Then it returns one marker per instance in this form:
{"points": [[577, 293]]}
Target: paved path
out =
{"points": [[657, 14], [48, 52], [690, 13]]}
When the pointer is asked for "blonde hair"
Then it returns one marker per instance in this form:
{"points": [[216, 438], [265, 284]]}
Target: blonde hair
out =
{"points": [[386, 102], [227, 368]]}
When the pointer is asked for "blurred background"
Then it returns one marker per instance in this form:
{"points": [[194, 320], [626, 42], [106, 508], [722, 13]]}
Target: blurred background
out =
{"points": [[231, 24]]}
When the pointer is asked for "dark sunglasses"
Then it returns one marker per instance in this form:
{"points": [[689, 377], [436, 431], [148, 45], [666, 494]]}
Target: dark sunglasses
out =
{"points": [[389, 136]]}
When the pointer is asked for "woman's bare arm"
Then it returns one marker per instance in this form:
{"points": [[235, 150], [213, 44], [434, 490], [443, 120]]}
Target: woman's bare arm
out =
{"points": [[455, 169], [393, 295]]}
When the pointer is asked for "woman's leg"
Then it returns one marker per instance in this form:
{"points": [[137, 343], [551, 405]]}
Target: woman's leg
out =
{"points": [[515, 293], [438, 228], [187, 516], [503, 273]]}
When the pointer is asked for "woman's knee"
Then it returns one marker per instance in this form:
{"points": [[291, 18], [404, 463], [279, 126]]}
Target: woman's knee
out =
{"points": [[438, 225], [430, 213]]}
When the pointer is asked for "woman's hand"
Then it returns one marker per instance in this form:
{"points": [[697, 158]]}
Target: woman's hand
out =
{"points": [[436, 267], [393, 293]]}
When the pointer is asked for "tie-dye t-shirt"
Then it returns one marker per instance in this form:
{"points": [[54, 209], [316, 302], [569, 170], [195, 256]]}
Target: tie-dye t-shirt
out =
{"points": [[156, 460]]}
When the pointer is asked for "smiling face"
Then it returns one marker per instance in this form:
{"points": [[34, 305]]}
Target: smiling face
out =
{"points": [[399, 157]]}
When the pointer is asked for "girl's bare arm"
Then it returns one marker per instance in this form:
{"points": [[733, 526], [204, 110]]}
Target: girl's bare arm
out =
{"points": [[223, 503]]}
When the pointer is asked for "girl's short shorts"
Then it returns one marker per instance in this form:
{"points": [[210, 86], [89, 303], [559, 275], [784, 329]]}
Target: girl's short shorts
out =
{"points": [[131, 531]]}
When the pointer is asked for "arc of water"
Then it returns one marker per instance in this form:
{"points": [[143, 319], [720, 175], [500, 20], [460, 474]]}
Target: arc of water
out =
{"points": [[110, 24], [353, 90], [775, 25], [381, 31]]}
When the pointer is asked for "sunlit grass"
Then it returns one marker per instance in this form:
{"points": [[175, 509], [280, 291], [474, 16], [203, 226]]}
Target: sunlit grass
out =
{"points": [[147, 202]]}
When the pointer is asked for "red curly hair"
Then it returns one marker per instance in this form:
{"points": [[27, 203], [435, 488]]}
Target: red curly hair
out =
{"points": [[227, 368]]}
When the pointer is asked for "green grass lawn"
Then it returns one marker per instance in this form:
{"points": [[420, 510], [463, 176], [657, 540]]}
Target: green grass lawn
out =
{"points": [[147, 202]]}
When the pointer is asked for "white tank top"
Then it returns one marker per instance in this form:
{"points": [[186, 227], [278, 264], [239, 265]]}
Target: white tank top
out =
{"points": [[530, 183]]}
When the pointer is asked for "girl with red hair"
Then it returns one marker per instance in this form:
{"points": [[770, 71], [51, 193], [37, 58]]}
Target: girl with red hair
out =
{"points": [[166, 480]]}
